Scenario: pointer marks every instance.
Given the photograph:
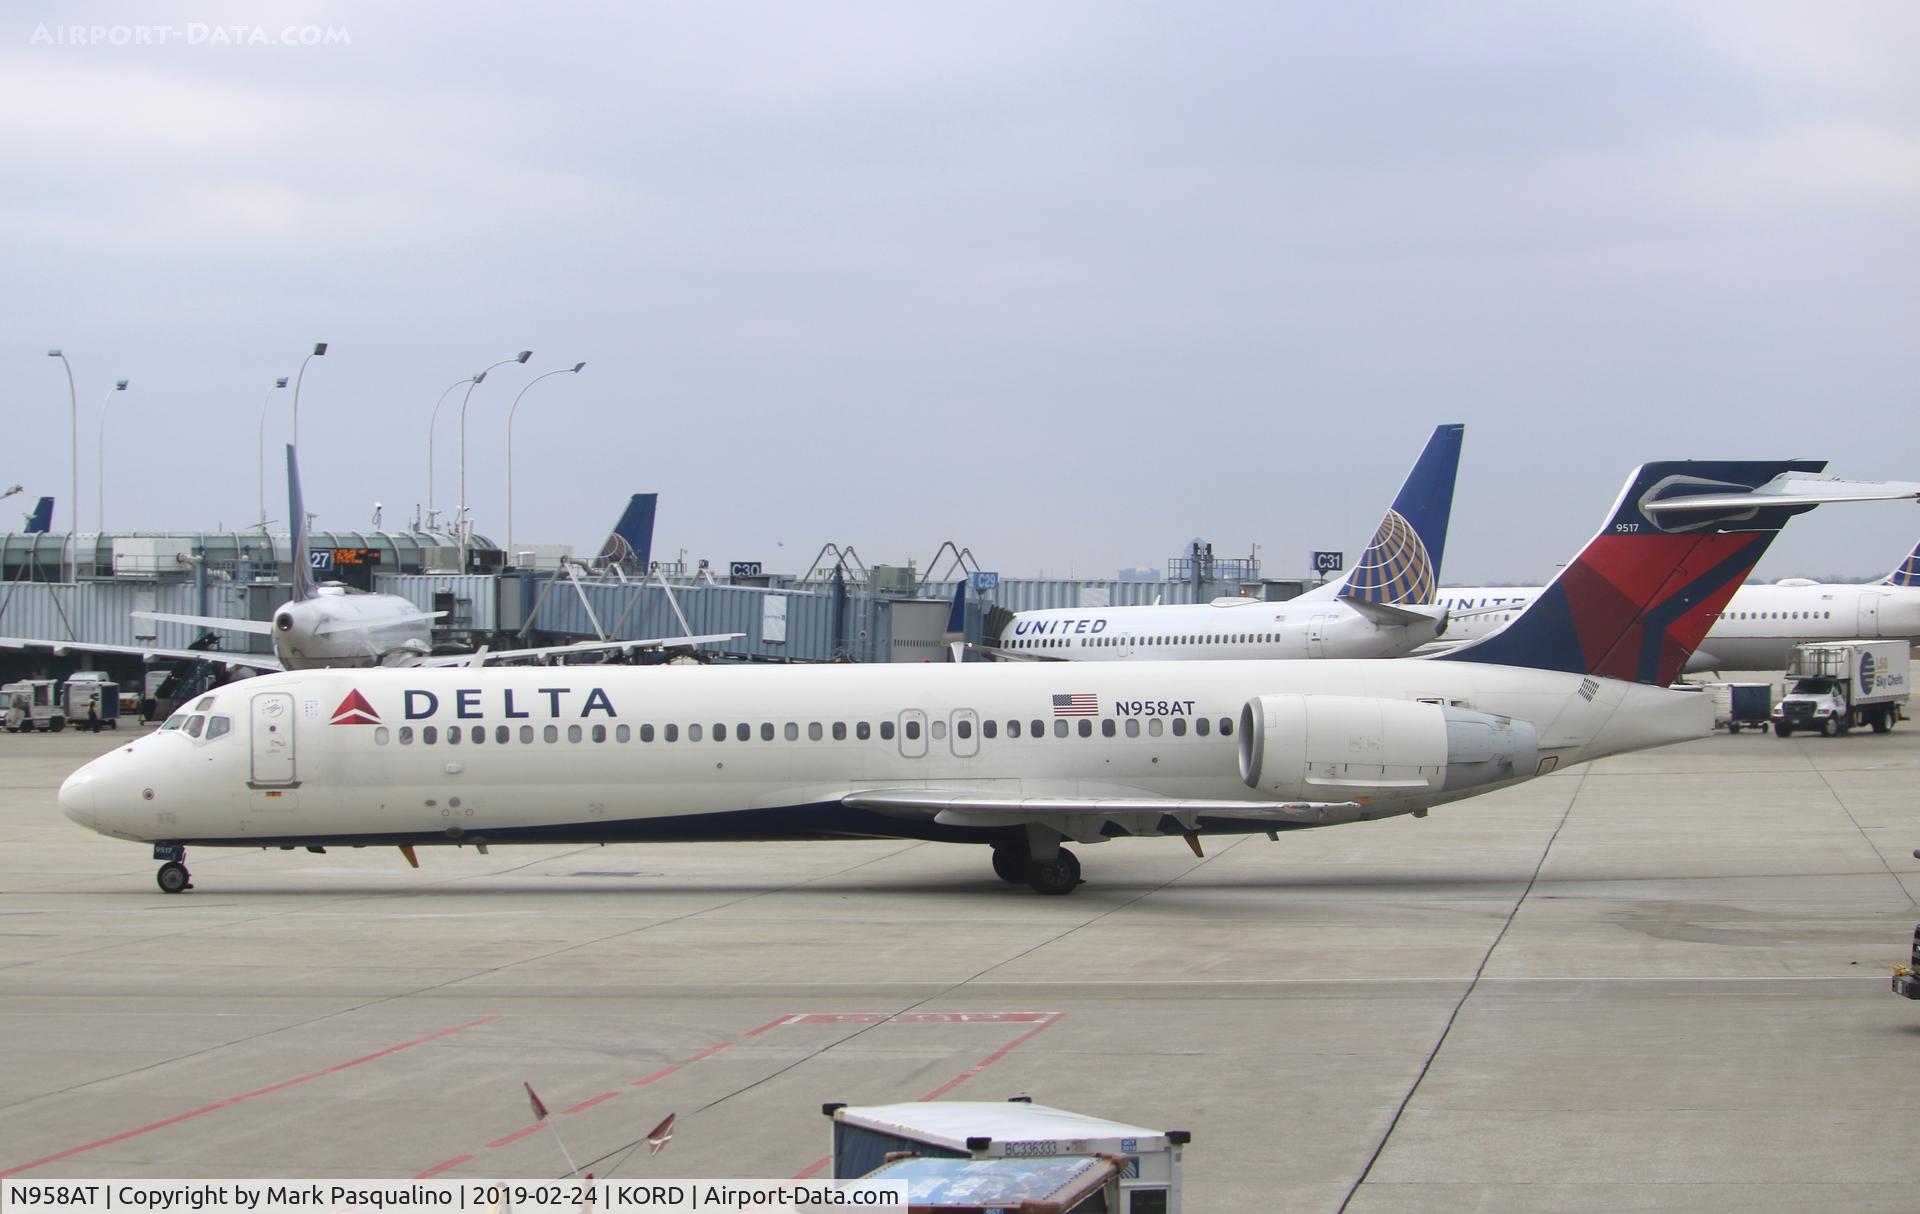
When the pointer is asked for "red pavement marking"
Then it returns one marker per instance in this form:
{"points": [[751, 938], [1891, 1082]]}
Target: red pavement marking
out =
{"points": [[644, 1080], [709, 1052], [516, 1136], [232, 1100], [443, 1165], [771, 1024], [1052, 1019], [813, 1167], [587, 1104]]}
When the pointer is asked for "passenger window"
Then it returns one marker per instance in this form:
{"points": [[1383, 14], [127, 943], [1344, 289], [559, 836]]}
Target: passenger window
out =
{"points": [[220, 726], [814, 733], [939, 730], [599, 733], [646, 733], [573, 733], [1179, 727], [742, 732], [429, 735], [719, 732], [479, 734], [526, 735], [380, 735], [550, 734], [963, 729], [195, 724], [1059, 729], [503, 734], [693, 733], [453, 735], [766, 731], [621, 733], [1086, 728], [1039, 729], [791, 731], [406, 735], [1133, 727], [989, 727], [1226, 727], [913, 731], [886, 731], [1156, 725], [863, 731], [1107, 728], [1013, 729], [1200, 726], [839, 731], [671, 733]]}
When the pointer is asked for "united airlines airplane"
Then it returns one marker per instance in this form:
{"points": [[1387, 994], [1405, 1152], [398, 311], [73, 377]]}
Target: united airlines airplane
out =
{"points": [[1759, 628], [1019, 757], [1379, 610]]}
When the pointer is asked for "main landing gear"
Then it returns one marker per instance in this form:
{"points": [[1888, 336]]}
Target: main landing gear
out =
{"points": [[1058, 874], [173, 877]]}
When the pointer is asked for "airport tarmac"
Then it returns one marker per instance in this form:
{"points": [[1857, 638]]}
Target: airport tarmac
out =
{"points": [[1660, 982]]}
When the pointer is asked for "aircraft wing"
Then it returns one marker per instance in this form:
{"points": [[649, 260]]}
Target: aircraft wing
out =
{"points": [[1013, 655], [488, 657], [252, 661], [255, 627], [993, 809], [1389, 615]]}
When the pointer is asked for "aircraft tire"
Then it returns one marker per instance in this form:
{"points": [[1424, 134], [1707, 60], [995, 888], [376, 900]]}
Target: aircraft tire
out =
{"points": [[1010, 864], [1060, 875], [173, 878]]}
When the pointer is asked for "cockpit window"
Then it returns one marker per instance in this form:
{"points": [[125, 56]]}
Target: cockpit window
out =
{"points": [[195, 724], [218, 727], [175, 721], [205, 704]]}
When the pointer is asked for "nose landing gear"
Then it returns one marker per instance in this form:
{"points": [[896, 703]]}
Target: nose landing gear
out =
{"points": [[173, 877]]}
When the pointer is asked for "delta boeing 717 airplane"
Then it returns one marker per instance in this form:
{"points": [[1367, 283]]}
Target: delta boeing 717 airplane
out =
{"points": [[1018, 757]]}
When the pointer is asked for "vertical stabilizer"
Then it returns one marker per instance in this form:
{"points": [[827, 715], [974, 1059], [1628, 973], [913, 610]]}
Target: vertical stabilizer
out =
{"points": [[631, 544], [1401, 565], [1638, 599], [301, 560], [41, 520], [1907, 573]]}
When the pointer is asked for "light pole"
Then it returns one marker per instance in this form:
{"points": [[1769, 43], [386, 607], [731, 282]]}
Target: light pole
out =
{"points": [[460, 516], [467, 379], [262, 452], [319, 348], [100, 460], [73, 439], [573, 370]]}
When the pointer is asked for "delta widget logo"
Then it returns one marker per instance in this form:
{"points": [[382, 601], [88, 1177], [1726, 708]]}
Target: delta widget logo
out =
{"points": [[354, 710]]}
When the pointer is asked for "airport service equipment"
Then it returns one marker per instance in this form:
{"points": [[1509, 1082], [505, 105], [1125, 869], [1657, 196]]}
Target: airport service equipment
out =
{"points": [[92, 688], [1015, 1132], [33, 704], [1738, 706], [1834, 686], [1906, 978]]}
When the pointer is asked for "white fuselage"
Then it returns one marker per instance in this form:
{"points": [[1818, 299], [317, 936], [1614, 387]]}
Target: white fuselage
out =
{"points": [[622, 753], [1225, 629], [338, 628], [1757, 631]]}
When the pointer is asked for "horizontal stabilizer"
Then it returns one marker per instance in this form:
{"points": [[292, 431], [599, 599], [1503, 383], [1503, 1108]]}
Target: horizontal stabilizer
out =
{"points": [[254, 627], [336, 626], [486, 658], [935, 800], [1386, 614], [148, 653], [1788, 489], [1014, 655]]}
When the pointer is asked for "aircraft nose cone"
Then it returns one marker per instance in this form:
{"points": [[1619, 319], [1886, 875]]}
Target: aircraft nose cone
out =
{"points": [[77, 797]]}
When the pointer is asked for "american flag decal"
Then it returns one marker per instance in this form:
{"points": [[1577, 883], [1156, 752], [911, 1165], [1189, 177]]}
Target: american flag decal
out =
{"points": [[1588, 689], [1079, 704]]}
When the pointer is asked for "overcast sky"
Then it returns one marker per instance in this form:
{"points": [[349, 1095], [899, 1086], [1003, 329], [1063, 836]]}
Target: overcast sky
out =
{"points": [[1068, 284]]}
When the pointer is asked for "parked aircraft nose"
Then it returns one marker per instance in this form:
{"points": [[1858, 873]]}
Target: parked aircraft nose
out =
{"points": [[77, 795]]}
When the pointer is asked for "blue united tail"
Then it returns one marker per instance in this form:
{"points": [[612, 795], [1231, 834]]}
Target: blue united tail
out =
{"points": [[1907, 573], [1402, 563], [631, 544], [41, 520]]}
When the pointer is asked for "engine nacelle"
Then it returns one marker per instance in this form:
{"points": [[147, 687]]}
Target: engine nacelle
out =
{"points": [[1340, 748]]}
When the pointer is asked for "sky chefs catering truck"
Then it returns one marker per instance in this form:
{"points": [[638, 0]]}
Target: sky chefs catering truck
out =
{"points": [[1833, 686]]}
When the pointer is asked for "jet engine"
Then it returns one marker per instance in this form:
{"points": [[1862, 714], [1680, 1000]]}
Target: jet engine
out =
{"points": [[1329, 748]]}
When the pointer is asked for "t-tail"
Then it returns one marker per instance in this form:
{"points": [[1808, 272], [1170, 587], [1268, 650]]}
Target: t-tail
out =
{"points": [[631, 544], [41, 520], [297, 522], [1638, 599], [1401, 565], [1907, 573]]}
